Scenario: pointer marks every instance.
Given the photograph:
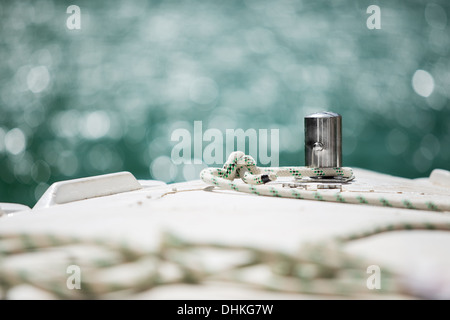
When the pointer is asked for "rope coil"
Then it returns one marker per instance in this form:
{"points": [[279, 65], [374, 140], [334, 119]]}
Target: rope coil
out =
{"points": [[256, 178]]}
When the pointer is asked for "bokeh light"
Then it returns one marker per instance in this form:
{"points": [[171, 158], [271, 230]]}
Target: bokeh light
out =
{"points": [[15, 141], [423, 83]]}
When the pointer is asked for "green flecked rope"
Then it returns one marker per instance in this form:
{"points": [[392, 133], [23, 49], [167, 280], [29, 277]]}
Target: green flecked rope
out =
{"points": [[320, 268], [243, 166]]}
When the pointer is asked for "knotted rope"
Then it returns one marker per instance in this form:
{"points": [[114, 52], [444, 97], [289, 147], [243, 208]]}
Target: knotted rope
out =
{"points": [[256, 181]]}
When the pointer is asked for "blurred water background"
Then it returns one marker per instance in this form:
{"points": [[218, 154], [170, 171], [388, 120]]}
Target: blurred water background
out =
{"points": [[106, 98]]}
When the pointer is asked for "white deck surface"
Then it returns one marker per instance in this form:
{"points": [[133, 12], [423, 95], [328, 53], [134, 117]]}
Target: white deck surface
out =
{"points": [[140, 217]]}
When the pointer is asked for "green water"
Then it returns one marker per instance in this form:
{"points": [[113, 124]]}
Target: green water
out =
{"points": [[107, 97]]}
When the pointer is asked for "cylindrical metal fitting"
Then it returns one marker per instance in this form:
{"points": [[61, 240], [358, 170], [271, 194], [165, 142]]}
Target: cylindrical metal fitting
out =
{"points": [[323, 140]]}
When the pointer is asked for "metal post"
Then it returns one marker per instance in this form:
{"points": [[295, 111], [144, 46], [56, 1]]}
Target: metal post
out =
{"points": [[323, 140]]}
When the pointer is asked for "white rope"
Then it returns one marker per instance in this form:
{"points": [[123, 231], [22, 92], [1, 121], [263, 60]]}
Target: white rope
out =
{"points": [[256, 178]]}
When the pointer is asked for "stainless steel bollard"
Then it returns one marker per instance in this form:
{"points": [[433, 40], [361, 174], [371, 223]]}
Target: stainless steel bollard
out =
{"points": [[323, 140]]}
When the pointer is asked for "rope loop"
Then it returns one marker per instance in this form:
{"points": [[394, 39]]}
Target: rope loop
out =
{"points": [[242, 166]]}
